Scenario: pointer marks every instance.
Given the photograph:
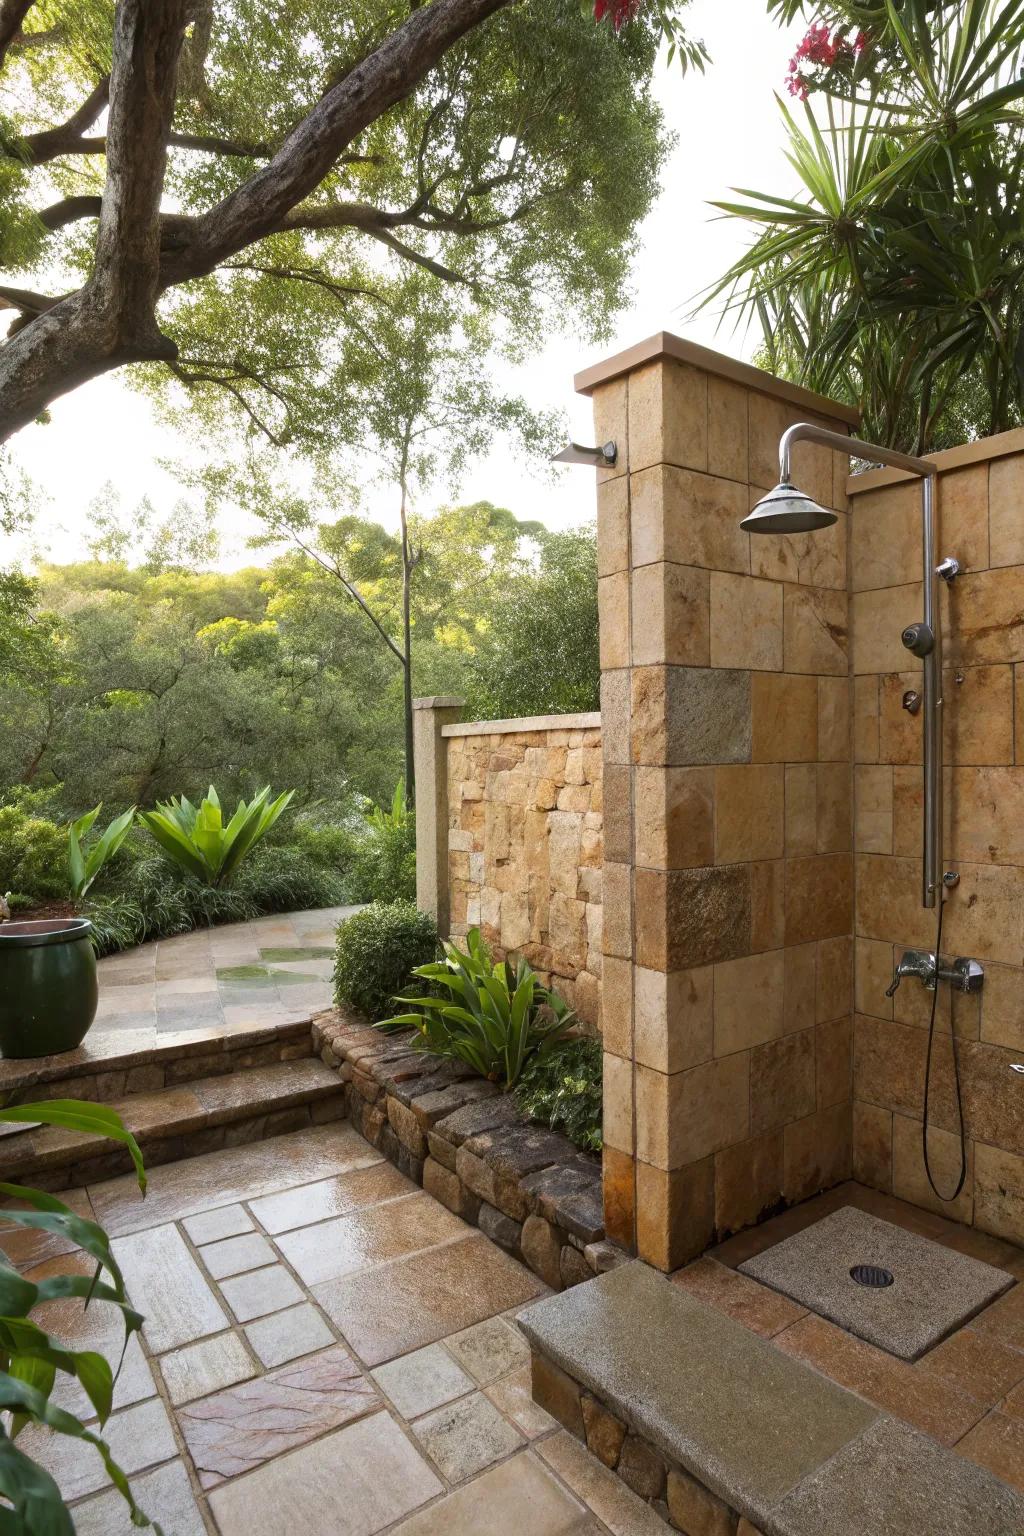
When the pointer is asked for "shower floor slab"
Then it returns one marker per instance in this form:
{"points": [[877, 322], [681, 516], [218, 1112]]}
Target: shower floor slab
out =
{"points": [[934, 1289]]}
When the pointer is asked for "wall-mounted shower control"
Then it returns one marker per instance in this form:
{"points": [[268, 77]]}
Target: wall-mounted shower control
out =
{"points": [[948, 569], [911, 701], [919, 639], [963, 974]]}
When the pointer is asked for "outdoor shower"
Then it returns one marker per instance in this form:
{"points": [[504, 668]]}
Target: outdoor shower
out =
{"points": [[788, 510]]}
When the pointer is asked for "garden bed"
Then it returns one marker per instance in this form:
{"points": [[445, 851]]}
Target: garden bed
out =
{"points": [[466, 1142]]}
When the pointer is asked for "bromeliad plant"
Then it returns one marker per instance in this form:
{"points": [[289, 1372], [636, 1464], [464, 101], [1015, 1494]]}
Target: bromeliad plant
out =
{"points": [[494, 1016], [30, 1359], [84, 866], [197, 840]]}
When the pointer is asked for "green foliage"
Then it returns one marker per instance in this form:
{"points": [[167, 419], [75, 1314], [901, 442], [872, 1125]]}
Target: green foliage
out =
{"points": [[32, 1358], [33, 851], [377, 950], [549, 613], [83, 867], [894, 278], [562, 1089], [197, 840], [383, 859], [494, 1017]]}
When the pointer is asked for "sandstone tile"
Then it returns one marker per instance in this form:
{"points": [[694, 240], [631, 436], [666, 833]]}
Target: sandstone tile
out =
{"points": [[1006, 493], [782, 1081], [765, 1311], [987, 811], [834, 979], [213, 1226], [815, 559], [865, 719], [236, 1254], [331, 1197], [983, 1368], [800, 979], [785, 717], [909, 1177], [833, 808], [728, 429], [874, 805], [1004, 1319], [618, 1190], [490, 1350], [819, 897], [260, 1291], [25, 1247], [999, 1192], [354, 1482], [889, 903], [514, 1397], [612, 526], [872, 1145], [617, 1102], [465, 1437], [987, 918], [499, 1499], [815, 631], [414, 1301], [801, 809], [746, 623], [833, 1046], [668, 411], [177, 1190], [998, 1444], [900, 734], [165, 1494], [877, 619], [423, 1380], [748, 1182], [709, 1108], [611, 422], [613, 594], [931, 1404], [690, 918], [165, 1281], [978, 717], [239, 1429], [138, 1437], [364, 1238], [198, 1369], [990, 625], [834, 719], [964, 499], [674, 1026], [767, 905], [674, 817], [885, 537], [689, 715], [748, 813], [749, 1001], [675, 1218], [615, 716], [287, 1335], [671, 621]]}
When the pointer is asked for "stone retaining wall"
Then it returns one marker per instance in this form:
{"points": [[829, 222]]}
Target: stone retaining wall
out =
{"points": [[527, 1188], [521, 849]]}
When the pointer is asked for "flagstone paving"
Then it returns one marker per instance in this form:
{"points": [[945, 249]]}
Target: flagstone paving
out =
{"points": [[262, 1400], [273, 970]]}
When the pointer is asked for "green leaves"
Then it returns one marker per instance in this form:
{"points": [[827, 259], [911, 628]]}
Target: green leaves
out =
{"points": [[84, 867], [198, 841], [493, 1017]]}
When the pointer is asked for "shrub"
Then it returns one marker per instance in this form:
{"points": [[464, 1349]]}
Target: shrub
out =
{"points": [[493, 1017], [85, 864], [383, 864], [197, 840], [377, 951], [562, 1089], [33, 853]]}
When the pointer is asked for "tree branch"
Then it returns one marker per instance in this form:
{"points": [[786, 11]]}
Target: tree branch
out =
{"points": [[69, 210], [63, 140], [12, 14]]}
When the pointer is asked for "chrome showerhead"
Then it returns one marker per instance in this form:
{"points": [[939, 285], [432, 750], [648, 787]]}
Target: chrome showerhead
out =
{"points": [[786, 510]]}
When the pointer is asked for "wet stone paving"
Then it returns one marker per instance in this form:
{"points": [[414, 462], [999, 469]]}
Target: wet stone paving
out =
{"points": [[327, 1350]]}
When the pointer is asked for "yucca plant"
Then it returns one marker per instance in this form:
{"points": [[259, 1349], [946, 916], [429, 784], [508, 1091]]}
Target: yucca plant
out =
{"points": [[495, 1017], [398, 817], [30, 1359], [84, 866], [197, 840]]}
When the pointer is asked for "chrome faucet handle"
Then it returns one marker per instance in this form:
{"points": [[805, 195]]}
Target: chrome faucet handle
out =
{"points": [[914, 962], [964, 974], [897, 977]]}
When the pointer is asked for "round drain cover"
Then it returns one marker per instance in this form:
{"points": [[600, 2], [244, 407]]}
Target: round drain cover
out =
{"points": [[872, 1275]]}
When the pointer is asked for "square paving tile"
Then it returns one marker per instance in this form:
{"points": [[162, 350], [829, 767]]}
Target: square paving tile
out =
{"points": [[353, 1483], [934, 1289], [464, 1437], [139, 1437], [165, 1283], [400, 1306], [521, 1495], [240, 1429], [287, 1335], [213, 1226], [164, 1495], [514, 1396], [206, 1367], [261, 1291], [490, 1350], [235, 1255], [353, 1242], [423, 1380]]}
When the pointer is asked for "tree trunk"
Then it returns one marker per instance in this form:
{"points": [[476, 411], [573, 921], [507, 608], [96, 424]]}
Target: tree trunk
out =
{"points": [[407, 563]]}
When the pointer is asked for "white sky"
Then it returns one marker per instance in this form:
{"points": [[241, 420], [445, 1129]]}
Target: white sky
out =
{"points": [[730, 133]]}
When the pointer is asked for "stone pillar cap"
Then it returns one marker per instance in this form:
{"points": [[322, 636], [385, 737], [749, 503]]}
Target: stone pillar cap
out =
{"points": [[439, 701]]}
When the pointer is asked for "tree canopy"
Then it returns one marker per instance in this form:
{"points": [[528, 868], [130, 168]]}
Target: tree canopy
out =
{"points": [[233, 191], [893, 278]]}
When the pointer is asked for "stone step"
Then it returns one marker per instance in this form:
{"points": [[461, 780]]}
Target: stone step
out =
{"points": [[181, 1121], [717, 1423]]}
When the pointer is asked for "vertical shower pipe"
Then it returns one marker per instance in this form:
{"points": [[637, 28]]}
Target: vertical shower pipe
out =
{"points": [[805, 431]]}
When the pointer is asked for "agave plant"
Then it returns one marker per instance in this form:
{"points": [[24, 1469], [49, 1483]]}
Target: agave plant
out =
{"points": [[199, 842], [30, 1359], [83, 867], [494, 1017]]}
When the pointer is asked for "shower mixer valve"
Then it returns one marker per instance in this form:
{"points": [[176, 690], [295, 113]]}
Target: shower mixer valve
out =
{"points": [[963, 974]]}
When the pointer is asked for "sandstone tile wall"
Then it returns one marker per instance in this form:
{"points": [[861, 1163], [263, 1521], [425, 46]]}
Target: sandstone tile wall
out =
{"points": [[525, 843], [981, 502], [728, 877]]}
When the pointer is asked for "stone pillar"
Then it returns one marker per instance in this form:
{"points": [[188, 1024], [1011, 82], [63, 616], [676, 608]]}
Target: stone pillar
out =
{"points": [[430, 756], [727, 876]]}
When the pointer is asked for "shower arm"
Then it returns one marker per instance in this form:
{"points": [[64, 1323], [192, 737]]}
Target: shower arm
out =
{"points": [[931, 874]]}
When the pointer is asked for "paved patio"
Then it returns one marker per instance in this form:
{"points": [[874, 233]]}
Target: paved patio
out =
{"points": [[274, 970], [327, 1350]]}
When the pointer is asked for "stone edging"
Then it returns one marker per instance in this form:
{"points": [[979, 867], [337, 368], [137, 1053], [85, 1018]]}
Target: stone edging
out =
{"points": [[527, 1188]]}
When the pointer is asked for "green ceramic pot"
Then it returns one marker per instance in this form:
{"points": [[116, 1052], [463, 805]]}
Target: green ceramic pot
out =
{"points": [[48, 991]]}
